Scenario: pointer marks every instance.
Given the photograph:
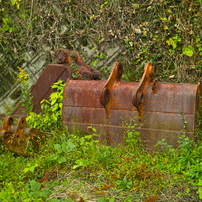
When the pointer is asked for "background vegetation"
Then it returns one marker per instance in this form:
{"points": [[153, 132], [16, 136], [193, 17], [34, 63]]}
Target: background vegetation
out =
{"points": [[166, 33]]}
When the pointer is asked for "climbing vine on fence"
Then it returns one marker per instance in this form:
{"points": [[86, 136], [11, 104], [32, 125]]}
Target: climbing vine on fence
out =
{"points": [[166, 33]]}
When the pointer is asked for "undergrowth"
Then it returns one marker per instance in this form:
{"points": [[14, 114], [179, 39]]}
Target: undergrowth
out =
{"points": [[77, 167]]}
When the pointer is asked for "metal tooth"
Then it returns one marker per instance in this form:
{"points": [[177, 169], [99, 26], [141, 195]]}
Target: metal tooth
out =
{"points": [[106, 98], [138, 94]]}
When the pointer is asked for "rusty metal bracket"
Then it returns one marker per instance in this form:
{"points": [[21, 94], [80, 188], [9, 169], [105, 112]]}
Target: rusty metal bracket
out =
{"points": [[19, 139], [138, 94], [96, 75], [106, 95], [62, 56]]}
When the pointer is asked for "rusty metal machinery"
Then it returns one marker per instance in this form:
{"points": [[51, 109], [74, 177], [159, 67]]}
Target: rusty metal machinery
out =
{"points": [[62, 56], [20, 139], [52, 73], [165, 110]]}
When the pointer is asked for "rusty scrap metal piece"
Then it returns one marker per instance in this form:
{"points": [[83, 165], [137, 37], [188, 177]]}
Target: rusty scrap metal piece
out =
{"points": [[138, 94], [96, 75], [62, 56], [106, 94], [168, 112], [20, 139]]}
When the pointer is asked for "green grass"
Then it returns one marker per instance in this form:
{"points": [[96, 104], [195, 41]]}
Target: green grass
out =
{"points": [[69, 167]]}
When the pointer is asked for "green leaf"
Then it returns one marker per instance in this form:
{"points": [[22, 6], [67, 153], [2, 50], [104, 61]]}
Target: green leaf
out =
{"points": [[5, 28], [124, 179], [94, 63], [62, 160], [57, 146], [188, 51], [171, 42], [5, 21], [54, 200], [53, 157], [164, 19], [103, 4], [13, 2], [92, 16], [200, 183], [3, 195], [60, 105], [35, 186], [55, 107], [68, 146], [34, 19], [46, 193], [53, 102], [10, 29], [30, 168], [79, 163], [94, 130], [101, 199], [200, 192]]}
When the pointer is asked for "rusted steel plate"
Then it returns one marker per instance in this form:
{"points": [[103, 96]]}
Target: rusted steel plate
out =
{"points": [[42, 88], [166, 111], [158, 121]]}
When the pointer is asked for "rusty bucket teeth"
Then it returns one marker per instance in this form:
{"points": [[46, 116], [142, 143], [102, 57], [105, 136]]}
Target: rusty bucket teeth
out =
{"points": [[17, 138], [156, 107]]}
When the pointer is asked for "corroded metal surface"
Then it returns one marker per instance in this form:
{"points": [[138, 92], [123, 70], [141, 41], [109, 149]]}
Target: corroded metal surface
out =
{"points": [[168, 110], [20, 139]]}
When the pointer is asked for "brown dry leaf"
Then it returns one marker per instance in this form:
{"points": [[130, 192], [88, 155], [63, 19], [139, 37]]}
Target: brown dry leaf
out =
{"points": [[104, 187], [152, 199], [81, 199]]}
